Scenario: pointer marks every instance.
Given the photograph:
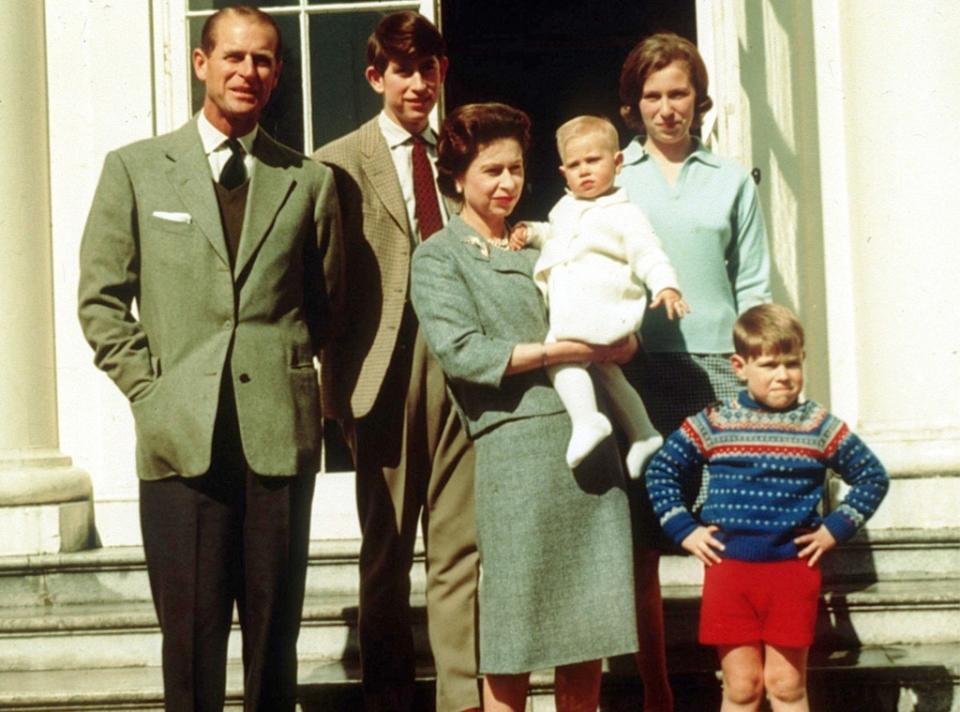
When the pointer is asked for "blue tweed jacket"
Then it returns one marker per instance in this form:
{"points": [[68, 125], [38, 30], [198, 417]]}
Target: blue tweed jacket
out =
{"points": [[475, 303]]}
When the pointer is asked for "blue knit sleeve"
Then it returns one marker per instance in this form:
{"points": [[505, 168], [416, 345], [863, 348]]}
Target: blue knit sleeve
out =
{"points": [[850, 458], [680, 458]]}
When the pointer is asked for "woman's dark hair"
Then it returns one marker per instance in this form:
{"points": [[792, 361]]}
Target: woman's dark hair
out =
{"points": [[467, 129], [651, 55]]}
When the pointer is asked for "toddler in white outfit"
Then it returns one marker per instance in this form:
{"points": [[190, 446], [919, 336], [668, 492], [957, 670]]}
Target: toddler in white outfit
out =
{"points": [[599, 255]]}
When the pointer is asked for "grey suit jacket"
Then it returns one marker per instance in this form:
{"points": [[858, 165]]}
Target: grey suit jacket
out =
{"points": [[378, 243], [475, 303], [154, 236]]}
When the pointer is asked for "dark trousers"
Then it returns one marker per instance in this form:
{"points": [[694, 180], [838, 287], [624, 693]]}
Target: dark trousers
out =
{"points": [[414, 463], [227, 536]]}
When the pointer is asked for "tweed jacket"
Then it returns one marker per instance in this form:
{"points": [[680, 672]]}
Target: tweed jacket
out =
{"points": [[154, 236], [475, 303], [378, 244]]}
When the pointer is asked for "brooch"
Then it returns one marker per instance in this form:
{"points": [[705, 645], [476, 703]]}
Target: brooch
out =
{"points": [[480, 244]]}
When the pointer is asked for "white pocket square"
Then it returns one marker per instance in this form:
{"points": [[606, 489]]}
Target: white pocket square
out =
{"points": [[173, 217]]}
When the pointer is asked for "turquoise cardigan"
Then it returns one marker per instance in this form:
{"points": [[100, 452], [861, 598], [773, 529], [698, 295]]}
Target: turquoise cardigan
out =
{"points": [[475, 303]]}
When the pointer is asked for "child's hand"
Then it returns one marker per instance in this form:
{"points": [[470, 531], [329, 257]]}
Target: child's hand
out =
{"points": [[701, 543], [817, 544], [673, 302], [518, 237]]}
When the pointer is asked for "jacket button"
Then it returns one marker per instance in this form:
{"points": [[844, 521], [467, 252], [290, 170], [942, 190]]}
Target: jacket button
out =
{"points": [[244, 378], [227, 324]]}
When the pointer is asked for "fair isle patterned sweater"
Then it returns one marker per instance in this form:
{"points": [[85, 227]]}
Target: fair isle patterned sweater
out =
{"points": [[767, 473]]}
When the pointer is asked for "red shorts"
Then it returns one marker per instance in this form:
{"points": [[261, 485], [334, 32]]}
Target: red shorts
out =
{"points": [[755, 601]]}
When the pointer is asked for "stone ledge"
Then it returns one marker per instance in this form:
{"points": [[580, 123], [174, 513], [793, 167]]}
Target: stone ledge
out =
{"points": [[929, 675]]}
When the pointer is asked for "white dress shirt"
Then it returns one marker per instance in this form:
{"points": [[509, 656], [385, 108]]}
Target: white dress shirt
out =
{"points": [[400, 143], [215, 146]]}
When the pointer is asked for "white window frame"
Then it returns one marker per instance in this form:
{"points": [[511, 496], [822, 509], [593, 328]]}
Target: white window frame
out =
{"points": [[718, 41], [171, 51]]}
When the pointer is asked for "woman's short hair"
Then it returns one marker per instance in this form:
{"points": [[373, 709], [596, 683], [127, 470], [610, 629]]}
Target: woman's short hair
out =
{"points": [[403, 36], [651, 55], [467, 129], [587, 125], [767, 329]]}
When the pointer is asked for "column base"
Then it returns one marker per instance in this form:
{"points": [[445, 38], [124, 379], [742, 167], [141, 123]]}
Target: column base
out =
{"points": [[46, 505]]}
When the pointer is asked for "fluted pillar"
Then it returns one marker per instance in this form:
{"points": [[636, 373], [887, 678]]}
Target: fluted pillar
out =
{"points": [[45, 502], [889, 107]]}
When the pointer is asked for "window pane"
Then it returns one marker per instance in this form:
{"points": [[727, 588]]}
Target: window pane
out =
{"points": [[283, 116], [341, 97], [220, 4]]}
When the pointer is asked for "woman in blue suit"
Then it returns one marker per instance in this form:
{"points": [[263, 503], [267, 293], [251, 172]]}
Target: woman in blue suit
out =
{"points": [[556, 580]]}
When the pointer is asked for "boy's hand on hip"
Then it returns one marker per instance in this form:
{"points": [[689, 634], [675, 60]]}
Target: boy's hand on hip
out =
{"points": [[702, 544], [815, 544]]}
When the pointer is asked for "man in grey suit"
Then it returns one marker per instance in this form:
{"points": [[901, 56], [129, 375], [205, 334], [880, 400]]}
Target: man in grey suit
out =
{"points": [[220, 235], [410, 451]]}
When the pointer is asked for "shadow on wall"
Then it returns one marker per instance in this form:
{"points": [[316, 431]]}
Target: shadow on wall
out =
{"points": [[778, 78]]}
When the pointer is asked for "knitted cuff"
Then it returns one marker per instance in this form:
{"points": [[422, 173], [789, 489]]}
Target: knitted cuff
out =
{"points": [[840, 526]]}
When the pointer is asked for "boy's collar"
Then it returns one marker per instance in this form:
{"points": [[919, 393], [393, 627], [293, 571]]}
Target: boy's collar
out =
{"points": [[747, 401], [395, 134]]}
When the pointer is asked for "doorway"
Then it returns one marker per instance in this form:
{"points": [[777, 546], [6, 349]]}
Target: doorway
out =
{"points": [[554, 59]]}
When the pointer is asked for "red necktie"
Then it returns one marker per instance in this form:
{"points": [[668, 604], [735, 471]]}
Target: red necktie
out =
{"points": [[426, 207]]}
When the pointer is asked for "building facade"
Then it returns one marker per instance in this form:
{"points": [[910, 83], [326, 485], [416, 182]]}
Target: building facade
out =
{"points": [[845, 108]]}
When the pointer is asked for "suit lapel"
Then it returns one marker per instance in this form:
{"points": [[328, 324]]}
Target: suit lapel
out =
{"points": [[382, 174], [191, 178], [269, 186]]}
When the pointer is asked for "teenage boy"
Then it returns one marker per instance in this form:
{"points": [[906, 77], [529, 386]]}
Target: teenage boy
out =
{"points": [[768, 453], [410, 452]]}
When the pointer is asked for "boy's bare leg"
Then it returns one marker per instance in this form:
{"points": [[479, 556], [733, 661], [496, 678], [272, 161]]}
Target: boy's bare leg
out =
{"points": [[589, 425], [651, 656], [742, 677], [785, 677], [631, 415], [577, 687], [505, 693]]}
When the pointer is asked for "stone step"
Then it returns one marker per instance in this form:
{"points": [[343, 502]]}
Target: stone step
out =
{"points": [[922, 678], [118, 574], [126, 634]]}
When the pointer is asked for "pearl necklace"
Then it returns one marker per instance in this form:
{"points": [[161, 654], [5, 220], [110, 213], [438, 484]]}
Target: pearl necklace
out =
{"points": [[502, 243]]}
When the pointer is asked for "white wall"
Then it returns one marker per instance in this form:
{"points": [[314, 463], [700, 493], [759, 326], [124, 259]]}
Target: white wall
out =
{"points": [[100, 97], [901, 104]]}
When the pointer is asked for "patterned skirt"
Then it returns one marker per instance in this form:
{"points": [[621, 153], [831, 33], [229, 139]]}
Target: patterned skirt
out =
{"points": [[556, 581]]}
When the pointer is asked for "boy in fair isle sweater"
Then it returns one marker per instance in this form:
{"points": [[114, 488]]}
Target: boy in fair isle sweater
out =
{"points": [[760, 534]]}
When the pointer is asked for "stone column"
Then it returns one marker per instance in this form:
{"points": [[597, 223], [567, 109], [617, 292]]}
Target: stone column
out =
{"points": [[889, 108], [45, 502]]}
